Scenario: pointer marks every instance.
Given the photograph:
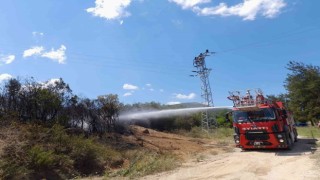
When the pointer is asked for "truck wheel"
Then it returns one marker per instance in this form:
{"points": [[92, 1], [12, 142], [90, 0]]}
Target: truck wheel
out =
{"points": [[295, 135], [289, 142]]}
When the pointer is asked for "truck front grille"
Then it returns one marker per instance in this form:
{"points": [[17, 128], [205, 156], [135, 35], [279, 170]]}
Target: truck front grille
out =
{"points": [[257, 135]]}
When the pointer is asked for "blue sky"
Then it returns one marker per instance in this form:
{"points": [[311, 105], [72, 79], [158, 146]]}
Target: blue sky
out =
{"points": [[143, 50]]}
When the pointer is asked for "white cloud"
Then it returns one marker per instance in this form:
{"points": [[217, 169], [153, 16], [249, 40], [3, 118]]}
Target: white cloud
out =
{"points": [[248, 9], [51, 82], [35, 34], [185, 4], [127, 94], [151, 89], [58, 55], [4, 77], [148, 85], [184, 96], [110, 9], [36, 50], [173, 103], [6, 59], [130, 87], [161, 90]]}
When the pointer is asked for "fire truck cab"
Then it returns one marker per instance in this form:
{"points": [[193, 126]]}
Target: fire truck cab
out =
{"points": [[260, 123]]}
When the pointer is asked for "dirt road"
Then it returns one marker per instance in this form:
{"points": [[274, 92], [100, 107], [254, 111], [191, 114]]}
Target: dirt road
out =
{"points": [[299, 163]]}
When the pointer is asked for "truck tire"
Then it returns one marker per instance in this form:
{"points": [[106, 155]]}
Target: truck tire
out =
{"points": [[295, 135], [289, 141], [290, 144]]}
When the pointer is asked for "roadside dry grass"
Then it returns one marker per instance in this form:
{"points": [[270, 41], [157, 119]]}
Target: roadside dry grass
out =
{"points": [[218, 133], [310, 132], [219, 140], [314, 133], [144, 162], [166, 151], [223, 137]]}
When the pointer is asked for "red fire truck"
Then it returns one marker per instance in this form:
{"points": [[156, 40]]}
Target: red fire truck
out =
{"points": [[260, 123]]}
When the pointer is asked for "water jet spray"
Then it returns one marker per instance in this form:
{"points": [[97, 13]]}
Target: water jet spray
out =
{"points": [[128, 117]]}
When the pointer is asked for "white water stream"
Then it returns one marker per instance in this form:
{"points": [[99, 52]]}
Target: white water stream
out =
{"points": [[167, 113]]}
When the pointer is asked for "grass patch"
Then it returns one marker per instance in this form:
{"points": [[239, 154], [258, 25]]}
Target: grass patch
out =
{"points": [[314, 133], [222, 133], [309, 132], [144, 162], [218, 133], [316, 155]]}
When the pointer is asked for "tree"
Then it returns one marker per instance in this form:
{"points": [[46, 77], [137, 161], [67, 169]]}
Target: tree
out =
{"points": [[31, 100], [82, 112], [281, 97], [108, 110], [28, 100], [60, 88], [49, 104], [12, 88], [303, 86]]}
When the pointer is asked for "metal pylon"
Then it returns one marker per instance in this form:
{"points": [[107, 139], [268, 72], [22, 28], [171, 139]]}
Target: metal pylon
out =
{"points": [[203, 72]]}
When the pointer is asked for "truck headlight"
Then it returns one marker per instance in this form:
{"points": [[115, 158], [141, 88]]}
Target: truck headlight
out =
{"points": [[279, 135], [281, 140]]}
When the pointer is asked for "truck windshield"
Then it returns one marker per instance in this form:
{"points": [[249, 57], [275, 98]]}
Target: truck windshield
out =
{"points": [[260, 115]]}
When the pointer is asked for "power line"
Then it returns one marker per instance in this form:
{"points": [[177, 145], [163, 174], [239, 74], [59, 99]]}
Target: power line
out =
{"points": [[162, 71], [149, 65], [279, 37]]}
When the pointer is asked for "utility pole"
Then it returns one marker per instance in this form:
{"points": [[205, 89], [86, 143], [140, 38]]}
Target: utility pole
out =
{"points": [[207, 119]]}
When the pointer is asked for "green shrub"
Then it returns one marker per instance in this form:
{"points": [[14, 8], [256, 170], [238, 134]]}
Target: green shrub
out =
{"points": [[223, 123], [88, 156], [145, 162], [41, 152], [196, 132], [13, 162], [222, 133], [41, 159], [187, 122]]}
